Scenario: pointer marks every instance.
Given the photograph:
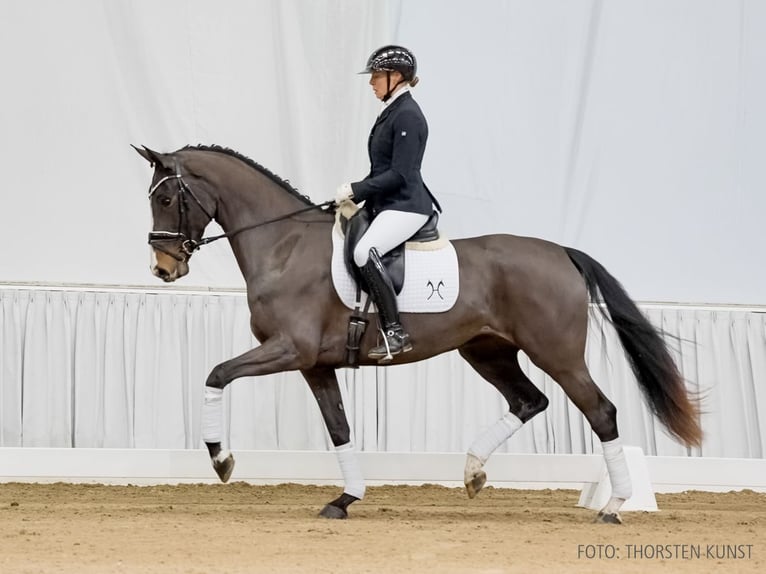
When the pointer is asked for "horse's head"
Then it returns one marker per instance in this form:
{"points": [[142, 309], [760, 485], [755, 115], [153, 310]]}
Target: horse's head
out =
{"points": [[179, 215]]}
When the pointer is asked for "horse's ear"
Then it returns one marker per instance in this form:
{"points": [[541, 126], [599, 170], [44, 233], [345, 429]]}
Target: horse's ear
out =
{"points": [[154, 157]]}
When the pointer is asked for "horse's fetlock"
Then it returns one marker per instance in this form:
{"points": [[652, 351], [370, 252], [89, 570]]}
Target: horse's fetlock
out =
{"points": [[339, 436]]}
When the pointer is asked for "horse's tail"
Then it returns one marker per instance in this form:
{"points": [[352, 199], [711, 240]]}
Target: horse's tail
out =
{"points": [[657, 374]]}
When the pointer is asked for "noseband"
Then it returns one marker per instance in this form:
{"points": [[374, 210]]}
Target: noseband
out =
{"points": [[189, 245]]}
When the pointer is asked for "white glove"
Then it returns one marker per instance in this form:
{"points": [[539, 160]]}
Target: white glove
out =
{"points": [[343, 193]]}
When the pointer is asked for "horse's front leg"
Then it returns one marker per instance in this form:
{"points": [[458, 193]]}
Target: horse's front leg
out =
{"points": [[273, 356], [324, 385]]}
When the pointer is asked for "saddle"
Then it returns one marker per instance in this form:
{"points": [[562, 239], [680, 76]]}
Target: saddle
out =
{"points": [[356, 225]]}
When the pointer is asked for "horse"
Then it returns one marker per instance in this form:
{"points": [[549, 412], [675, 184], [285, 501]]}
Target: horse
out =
{"points": [[515, 294]]}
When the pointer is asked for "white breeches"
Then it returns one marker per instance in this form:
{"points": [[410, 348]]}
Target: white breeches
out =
{"points": [[389, 229]]}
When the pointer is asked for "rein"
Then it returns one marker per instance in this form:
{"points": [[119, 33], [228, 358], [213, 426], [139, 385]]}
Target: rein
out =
{"points": [[206, 240], [190, 245]]}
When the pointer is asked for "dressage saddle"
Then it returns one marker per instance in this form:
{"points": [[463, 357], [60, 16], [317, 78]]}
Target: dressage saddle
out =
{"points": [[355, 226]]}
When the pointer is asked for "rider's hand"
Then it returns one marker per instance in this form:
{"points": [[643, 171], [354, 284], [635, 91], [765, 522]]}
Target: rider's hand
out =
{"points": [[343, 193]]}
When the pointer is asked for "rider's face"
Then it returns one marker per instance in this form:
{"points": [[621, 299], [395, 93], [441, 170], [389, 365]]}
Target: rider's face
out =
{"points": [[380, 84]]}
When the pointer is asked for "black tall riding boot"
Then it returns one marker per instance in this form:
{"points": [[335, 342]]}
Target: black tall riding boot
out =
{"points": [[382, 292]]}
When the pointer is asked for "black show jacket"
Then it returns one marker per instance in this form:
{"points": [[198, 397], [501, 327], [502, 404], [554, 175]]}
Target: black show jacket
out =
{"points": [[396, 146]]}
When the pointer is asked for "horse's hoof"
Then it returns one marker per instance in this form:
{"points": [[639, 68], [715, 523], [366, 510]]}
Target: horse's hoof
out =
{"points": [[474, 485], [608, 518], [224, 467], [330, 511]]}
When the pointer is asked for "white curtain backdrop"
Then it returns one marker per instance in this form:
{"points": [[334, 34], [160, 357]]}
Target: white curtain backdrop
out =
{"points": [[632, 130], [127, 369]]}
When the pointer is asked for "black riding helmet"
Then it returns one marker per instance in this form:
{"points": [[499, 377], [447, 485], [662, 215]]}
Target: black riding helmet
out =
{"points": [[393, 59]]}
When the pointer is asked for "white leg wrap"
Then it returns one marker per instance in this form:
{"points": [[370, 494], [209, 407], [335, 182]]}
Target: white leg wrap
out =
{"points": [[494, 436], [212, 415], [618, 469], [349, 468]]}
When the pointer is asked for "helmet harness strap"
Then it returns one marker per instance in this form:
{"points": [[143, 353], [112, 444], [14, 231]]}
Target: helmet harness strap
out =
{"points": [[389, 89]]}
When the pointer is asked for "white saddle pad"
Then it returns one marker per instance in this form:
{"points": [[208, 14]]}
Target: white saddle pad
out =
{"points": [[430, 276]]}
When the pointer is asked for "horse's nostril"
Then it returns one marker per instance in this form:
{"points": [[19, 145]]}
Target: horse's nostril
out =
{"points": [[161, 273]]}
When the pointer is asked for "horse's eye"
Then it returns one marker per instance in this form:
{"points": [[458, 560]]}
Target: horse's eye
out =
{"points": [[165, 201]]}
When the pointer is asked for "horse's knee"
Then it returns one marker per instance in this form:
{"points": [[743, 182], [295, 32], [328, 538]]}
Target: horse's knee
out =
{"points": [[217, 378]]}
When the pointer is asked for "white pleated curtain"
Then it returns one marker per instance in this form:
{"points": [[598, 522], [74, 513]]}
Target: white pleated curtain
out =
{"points": [[127, 370]]}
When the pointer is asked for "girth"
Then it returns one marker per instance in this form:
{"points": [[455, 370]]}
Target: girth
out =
{"points": [[353, 229]]}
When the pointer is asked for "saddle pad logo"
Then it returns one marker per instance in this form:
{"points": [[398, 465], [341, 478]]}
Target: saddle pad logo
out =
{"points": [[436, 289], [431, 279]]}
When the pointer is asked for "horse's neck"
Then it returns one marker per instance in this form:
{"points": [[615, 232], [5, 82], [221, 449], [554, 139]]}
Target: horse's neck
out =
{"points": [[260, 249], [251, 200]]}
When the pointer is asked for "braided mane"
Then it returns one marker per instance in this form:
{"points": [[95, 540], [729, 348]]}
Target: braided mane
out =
{"points": [[283, 183]]}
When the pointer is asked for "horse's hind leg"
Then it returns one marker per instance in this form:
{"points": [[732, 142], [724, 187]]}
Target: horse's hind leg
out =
{"points": [[602, 416], [497, 361]]}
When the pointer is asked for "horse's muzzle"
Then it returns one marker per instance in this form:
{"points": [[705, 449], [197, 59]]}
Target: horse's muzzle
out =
{"points": [[168, 267]]}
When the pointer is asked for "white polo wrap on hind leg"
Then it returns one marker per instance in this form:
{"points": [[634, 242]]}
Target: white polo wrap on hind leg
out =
{"points": [[212, 415], [494, 436], [617, 468], [349, 468]]}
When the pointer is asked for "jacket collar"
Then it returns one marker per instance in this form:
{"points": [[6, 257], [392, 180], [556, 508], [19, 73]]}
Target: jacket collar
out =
{"points": [[393, 103], [405, 89]]}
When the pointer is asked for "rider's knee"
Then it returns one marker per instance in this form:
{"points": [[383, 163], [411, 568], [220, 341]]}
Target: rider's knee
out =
{"points": [[361, 255]]}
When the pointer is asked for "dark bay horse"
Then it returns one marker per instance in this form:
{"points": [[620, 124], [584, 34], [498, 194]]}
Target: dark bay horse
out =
{"points": [[516, 293]]}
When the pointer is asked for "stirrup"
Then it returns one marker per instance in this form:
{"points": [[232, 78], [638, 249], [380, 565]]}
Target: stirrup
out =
{"points": [[395, 342]]}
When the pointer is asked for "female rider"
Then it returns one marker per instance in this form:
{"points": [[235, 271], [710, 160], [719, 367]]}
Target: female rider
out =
{"points": [[397, 200]]}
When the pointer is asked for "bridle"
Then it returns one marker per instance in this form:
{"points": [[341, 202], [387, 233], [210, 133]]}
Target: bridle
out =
{"points": [[190, 245]]}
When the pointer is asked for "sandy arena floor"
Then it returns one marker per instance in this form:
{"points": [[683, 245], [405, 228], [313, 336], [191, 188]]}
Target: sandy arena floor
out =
{"points": [[63, 528]]}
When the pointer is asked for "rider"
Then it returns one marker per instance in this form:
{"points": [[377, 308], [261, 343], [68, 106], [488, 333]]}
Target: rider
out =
{"points": [[397, 200]]}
